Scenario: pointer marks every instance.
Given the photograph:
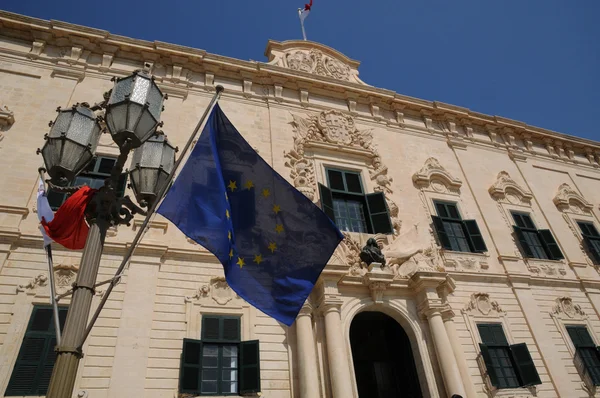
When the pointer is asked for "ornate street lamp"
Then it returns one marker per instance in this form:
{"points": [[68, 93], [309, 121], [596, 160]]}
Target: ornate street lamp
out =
{"points": [[71, 143], [133, 109], [151, 166]]}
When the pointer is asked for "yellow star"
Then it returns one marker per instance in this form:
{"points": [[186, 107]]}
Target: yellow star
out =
{"points": [[249, 184], [229, 235], [266, 192], [272, 247], [227, 213], [276, 209], [231, 253], [258, 258], [232, 185], [226, 198], [279, 228], [240, 262]]}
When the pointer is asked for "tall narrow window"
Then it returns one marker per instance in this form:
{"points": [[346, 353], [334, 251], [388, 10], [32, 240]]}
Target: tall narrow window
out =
{"points": [[345, 202], [535, 243], [32, 371], [508, 366], [591, 240], [587, 358], [220, 364], [453, 232], [94, 175]]}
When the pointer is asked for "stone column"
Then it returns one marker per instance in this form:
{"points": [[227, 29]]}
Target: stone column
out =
{"points": [[307, 356], [339, 367], [443, 349], [448, 316], [432, 289]]}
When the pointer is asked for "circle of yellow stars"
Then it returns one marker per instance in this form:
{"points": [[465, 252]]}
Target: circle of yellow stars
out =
{"points": [[272, 247]]}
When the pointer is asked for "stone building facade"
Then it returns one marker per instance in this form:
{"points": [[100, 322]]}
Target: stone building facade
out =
{"points": [[492, 241]]}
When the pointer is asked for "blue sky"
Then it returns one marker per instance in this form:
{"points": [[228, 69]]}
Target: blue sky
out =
{"points": [[536, 61]]}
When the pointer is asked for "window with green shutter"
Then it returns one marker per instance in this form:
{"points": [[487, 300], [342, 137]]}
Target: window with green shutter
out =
{"points": [[345, 202], [587, 357], [32, 371], [94, 175], [535, 243], [453, 232], [219, 364], [591, 240], [508, 366]]}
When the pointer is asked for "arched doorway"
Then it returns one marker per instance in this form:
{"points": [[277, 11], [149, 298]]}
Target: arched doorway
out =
{"points": [[383, 360]]}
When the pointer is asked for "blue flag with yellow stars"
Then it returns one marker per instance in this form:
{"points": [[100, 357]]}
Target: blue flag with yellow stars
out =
{"points": [[273, 242]]}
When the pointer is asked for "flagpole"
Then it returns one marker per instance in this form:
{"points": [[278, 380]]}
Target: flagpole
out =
{"points": [[154, 205], [301, 23], [48, 249]]}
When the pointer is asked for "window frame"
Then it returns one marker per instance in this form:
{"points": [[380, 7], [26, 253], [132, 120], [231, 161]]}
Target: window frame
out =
{"points": [[219, 342], [545, 240], [590, 378], [591, 241], [474, 240]]}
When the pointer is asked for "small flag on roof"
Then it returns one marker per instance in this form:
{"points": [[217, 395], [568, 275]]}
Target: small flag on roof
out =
{"points": [[304, 12]]}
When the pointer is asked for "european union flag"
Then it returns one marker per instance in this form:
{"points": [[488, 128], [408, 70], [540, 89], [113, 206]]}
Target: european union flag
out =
{"points": [[273, 242]]}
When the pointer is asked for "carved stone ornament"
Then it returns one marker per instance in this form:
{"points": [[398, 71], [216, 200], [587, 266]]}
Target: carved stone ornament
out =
{"points": [[7, 117], [378, 278], [39, 281], [549, 268], [564, 305], [506, 190], [337, 131], [218, 290], [313, 58], [64, 276], [435, 177], [482, 303], [569, 200]]}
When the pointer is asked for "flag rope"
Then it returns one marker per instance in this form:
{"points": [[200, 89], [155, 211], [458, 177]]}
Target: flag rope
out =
{"points": [[150, 214]]}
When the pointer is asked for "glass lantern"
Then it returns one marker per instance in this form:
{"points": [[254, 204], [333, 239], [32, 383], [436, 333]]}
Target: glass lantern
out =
{"points": [[133, 109], [150, 168], [71, 143]]}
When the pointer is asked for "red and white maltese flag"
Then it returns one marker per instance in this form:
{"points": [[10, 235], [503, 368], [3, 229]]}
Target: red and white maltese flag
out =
{"points": [[304, 13]]}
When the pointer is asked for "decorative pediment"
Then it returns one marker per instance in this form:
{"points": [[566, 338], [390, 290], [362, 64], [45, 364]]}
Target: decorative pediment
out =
{"points": [[564, 307], [314, 58], [218, 290], [569, 200], [506, 190], [434, 176], [482, 303]]}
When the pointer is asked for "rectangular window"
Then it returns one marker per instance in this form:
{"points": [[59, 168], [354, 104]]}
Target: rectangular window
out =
{"points": [[94, 176], [220, 364], [535, 243], [453, 232], [508, 366], [32, 371], [591, 240], [345, 202], [587, 358]]}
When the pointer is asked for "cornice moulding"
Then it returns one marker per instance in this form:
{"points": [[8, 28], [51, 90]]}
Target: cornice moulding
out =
{"points": [[98, 41]]}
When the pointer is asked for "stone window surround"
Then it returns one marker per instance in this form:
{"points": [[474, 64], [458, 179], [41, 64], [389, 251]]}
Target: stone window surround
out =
{"points": [[579, 318], [472, 317]]}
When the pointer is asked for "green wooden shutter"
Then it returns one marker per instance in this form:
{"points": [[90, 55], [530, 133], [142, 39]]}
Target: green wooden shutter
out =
{"points": [[551, 246], [477, 242], [378, 212], [326, 201], [25, 374], [230, 329], [211, 327], [489, 366], [48, 365], [524, 365], [191, 366], [438, 225], [249, 367], [524, 245], [591, 248]]}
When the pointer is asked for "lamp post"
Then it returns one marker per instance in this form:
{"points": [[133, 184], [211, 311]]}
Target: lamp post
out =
{"points": [[132, 115]]}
